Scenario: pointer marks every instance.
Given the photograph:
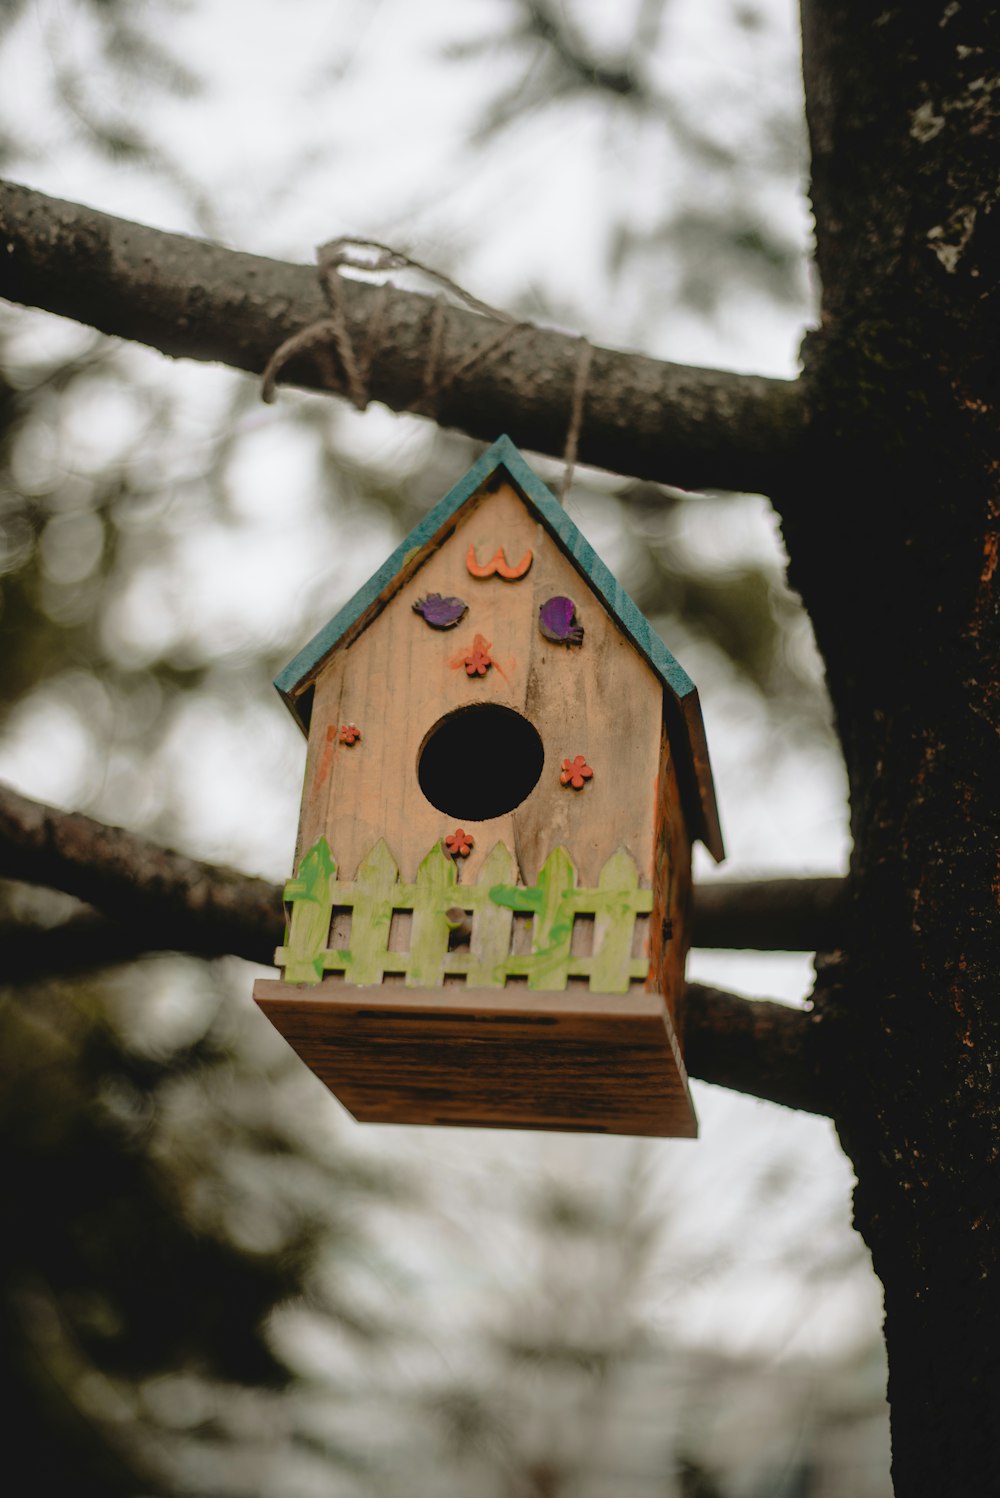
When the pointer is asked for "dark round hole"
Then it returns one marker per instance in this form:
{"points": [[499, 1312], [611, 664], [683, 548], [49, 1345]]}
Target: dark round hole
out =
{"points": [[480, 762]]}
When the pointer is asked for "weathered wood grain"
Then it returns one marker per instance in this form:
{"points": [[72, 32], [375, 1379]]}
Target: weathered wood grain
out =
{"points": [[399, 678], [503, 468], [670, 923], [490, 1059]]}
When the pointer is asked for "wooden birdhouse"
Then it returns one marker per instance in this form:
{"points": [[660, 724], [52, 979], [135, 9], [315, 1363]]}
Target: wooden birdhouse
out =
{"points": [[506, 769]]}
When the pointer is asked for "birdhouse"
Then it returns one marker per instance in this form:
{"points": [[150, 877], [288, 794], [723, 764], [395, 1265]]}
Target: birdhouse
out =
{"points": [[506, 770]]}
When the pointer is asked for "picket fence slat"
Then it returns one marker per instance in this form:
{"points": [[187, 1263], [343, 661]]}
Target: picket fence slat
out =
{"points": [[487, 961], [619, 881], [311, 899], [492, 923], [377, 882], [435, 893]]}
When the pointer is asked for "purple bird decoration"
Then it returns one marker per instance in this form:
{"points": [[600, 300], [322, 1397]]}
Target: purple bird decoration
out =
{"points": [[439, 612], [557, 621]]}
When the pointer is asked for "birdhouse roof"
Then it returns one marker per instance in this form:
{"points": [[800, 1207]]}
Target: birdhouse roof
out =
{"points": [[681, 704]]}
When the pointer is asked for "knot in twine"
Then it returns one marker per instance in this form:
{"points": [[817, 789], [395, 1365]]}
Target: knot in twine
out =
{"points": [[373, 257]]}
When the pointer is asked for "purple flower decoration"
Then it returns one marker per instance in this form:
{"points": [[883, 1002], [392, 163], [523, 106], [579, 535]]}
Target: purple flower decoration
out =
{"points": [[557, 621], [440, 613]]}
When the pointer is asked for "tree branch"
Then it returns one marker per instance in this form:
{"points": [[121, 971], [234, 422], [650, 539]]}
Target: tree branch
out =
{"points": [[156, 900], [180, 903], [754, 1046], [192, 299], [84, 942], [770, 915], [768, 1050], [206, 908]]}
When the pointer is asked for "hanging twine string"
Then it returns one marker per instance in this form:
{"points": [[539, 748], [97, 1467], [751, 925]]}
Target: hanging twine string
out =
{"points": [[584, 359], [435, 345], [372, 256], [333, 332]]}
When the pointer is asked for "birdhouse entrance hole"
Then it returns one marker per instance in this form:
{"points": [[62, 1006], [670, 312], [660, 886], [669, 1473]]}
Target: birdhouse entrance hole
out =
{"points": [[480, 762]]}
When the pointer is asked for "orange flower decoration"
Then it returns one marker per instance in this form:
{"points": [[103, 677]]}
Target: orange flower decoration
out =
{"points": [[350, 733], [460, 843], [479, 660], [575, 772]]}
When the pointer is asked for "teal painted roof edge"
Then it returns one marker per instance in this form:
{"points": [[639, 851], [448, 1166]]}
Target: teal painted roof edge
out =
{"points": [[601, 578], [634, 624], [323, 642]]}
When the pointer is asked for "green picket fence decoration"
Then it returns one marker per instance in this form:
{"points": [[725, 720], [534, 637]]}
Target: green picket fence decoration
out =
{"points": [[487, 962], [492, 923], [437, 879], [553, 904], [613, 924], [311, 898], [374, 898]]}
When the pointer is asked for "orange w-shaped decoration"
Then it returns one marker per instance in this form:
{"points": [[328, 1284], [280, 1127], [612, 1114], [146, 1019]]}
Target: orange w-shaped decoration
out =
{"points": [[498, 564]]}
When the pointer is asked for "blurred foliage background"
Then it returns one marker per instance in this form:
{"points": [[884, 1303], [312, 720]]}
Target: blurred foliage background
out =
{"points": [[211, 1281]]}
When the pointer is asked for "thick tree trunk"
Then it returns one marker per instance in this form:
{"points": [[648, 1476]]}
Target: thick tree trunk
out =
{"points": [[895, 558]]}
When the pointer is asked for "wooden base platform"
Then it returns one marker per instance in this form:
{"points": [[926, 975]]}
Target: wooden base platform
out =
{"points": [[509, 1058]]}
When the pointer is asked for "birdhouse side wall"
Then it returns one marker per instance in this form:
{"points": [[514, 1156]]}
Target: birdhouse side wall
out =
{"points": [[670, 924]]}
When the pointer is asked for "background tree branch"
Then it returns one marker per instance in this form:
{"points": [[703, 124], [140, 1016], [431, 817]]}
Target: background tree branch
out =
{"points": [[154, 899], [189, 298], [768, 1050], [770, 915], [191, 906], [754, 1046], [182, 902], [82, 943]]}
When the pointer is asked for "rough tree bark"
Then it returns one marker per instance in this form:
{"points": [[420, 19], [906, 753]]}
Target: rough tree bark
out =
{"points": [[895, 557], [885, 467], [196, 300]]}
